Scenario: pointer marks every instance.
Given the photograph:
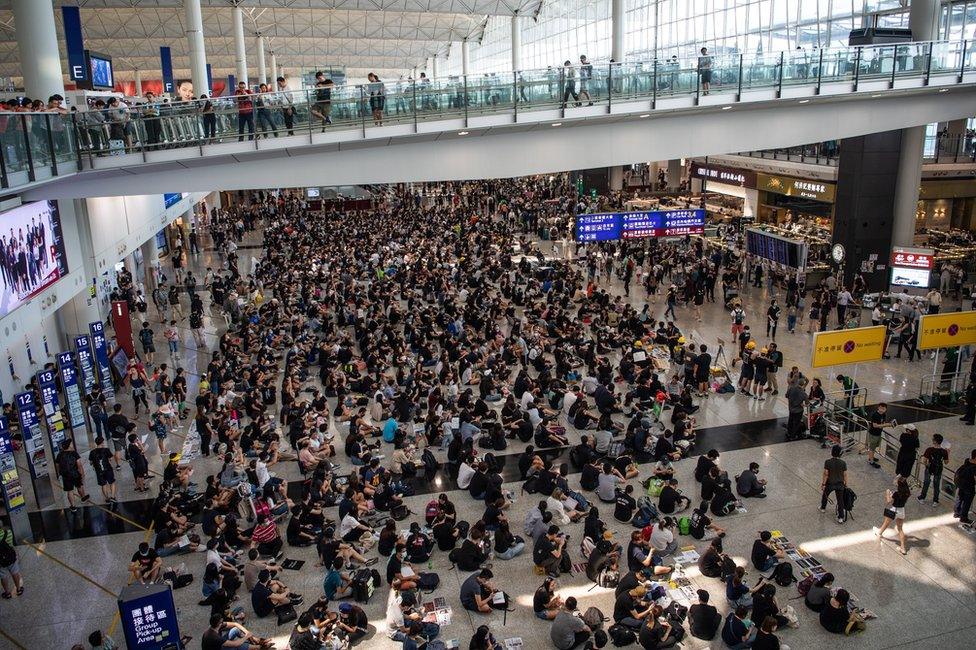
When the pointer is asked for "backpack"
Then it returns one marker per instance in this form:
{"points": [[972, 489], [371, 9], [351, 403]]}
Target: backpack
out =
{"points": [[621, 635], [684, 526], [803, 586], [646, 513], [576, 458], [849, 498], [431, 511], [654, 487], [608, 578], [430, 464], [783, 574], [586, 547], [400, 512], [594, 618], [428, 582], [7, 553]]}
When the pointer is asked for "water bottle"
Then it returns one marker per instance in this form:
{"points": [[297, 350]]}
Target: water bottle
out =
{"points": [[430, 564]]}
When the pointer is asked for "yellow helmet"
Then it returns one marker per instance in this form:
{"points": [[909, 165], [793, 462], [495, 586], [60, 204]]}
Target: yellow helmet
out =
{"points": [[681, 339], [638, 343], [764, 351], [751, 345]]}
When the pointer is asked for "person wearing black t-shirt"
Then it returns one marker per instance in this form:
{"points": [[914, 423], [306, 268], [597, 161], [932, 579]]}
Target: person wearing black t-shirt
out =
{"points": [[545, 602], [671, 501], [703, 619], [934, 458], [100, 458], [145, 565], [625, 505]]}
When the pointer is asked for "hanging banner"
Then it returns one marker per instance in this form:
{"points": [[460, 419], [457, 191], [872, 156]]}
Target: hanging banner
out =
{"points": [[231, 86], [840, 347], [75, 44], [100, 346], [123, 327], [86, 363], [166, 65], [51, 409], [72, 391], [148, 617], [30, 427], [13, 492], [947, 330], [209, 79]]}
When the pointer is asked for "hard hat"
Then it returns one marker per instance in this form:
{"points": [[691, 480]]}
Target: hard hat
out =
{"points": [[764, 351], [751, 345], [681, 339]]}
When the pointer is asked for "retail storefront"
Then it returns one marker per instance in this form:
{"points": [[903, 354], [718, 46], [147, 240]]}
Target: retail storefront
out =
{"points": [[735, 189], [785, 198], [947, 204]]}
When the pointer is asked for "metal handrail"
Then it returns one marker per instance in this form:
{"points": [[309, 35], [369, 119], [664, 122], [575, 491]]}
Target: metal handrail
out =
{"points": [[132, 129]]}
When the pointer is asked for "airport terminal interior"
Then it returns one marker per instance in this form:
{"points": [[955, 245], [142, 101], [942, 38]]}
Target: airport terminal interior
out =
{"points": [[487, 324]]}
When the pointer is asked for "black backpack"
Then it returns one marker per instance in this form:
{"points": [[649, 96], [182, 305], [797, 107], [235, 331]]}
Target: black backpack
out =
{"points": [[7, 554], [849, 498], [621, 635], [783, 574], [430, 464]]}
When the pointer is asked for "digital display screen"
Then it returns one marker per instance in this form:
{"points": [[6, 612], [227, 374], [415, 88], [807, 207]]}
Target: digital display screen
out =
{"points": [[101, 72], [909, 277], [776, 249], [607, 226], [33, 252]]}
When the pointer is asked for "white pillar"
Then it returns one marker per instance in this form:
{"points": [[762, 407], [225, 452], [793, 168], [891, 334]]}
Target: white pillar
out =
{"points": [[616, 178], [750, 204], [433, 67], [195, 47], [465, 57], [274, 68], [516, 43], [674, 173], [240, 57], [262, 71], [37, 44], [413, 75], [138, 76], [923, 20], [617, 16]]}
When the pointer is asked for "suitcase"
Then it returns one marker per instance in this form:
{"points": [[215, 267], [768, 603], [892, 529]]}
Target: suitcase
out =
{"points": [[116, 147], [364, 583]]}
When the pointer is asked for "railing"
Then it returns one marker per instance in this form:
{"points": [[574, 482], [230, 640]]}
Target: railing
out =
{"points": [[44, 140], [943, 389], [939, 149]]}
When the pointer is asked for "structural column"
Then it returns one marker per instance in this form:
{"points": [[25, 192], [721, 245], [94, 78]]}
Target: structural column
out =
{"points": [[674, 174], [138, 76], [262, 71], [37, 44], [465, 57], [240, 58], [195, 47], [274, 68], [516, 43], [616, 178], [923, 21], [433, 67], [617, 17]]}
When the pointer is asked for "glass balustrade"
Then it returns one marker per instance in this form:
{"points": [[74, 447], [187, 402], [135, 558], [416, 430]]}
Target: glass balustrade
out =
{"points": [[38, 145]]}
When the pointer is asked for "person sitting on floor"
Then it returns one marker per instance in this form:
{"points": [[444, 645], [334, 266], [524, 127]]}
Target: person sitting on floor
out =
{"points": [[703, 619], [748, 484], [764, 555]]}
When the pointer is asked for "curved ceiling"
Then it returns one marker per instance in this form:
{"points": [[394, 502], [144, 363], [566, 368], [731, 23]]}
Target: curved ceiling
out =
{"points": [[386, 36]]}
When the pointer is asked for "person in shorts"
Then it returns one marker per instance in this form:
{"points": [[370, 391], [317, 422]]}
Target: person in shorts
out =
{"points": [[875, 428], [100, 458], [118, 428], [9, 566], [72, 473], [146, 336]]}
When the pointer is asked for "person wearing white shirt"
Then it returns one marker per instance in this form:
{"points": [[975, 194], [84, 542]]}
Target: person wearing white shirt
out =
{"points": [[662, 537]]}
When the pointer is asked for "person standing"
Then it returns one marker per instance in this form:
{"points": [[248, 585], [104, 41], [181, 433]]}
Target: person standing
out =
{"points": [[100, 458], [287, 106], [834, 481], [876, 428], [934, 299], [569, 83], [965, 489], [895, 512], [245, 111], [705, 70], [907, 451], [9, 566], [72, 473], [844, 298], [970, 416], [796, 398], [934, 458]]}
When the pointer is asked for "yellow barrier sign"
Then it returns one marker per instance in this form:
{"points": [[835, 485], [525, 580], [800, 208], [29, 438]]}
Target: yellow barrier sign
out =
{"points": [[947, 330], [839, 347]]}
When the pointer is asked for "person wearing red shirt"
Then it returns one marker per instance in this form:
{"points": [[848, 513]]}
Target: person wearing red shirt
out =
{"points": [[266, 536], [245, 111]]}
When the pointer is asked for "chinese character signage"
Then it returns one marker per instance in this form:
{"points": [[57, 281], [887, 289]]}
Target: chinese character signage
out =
{"points": [[808, 189], [86, 363], [913, 258], [840, 347], [51, 409], [947, 330], [30, 427], [724, 175], [100, 346], [72, 391], [636, 225], [148, 617], [13, 492]]}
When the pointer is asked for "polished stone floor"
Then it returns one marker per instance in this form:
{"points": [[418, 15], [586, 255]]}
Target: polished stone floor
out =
{"points": [[925, 599]]}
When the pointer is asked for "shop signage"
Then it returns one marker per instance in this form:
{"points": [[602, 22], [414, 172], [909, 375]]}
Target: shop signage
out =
{"points": [[947, 330], [725, 175], [913, 258], [808, 189], [841, 347], [13, 493], [30, 427], [72, 391]]}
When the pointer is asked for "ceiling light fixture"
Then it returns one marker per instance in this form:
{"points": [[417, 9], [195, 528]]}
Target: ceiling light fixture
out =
{"points": [[462, 132], [804, 101], [726, 108], [944, 90], [646, 115], [557, 124]]}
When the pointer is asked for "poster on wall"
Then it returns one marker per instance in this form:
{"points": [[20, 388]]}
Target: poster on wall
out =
{"points": [[148, 617], [33, 252], [30, 427]]}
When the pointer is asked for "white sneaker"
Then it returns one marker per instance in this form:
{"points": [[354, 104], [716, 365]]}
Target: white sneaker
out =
{"points": [[840, 520]]}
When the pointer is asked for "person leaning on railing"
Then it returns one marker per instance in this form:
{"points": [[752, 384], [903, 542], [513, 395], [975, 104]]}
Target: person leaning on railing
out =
{"points": [[150, 119]]}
